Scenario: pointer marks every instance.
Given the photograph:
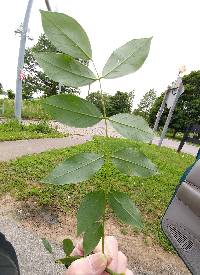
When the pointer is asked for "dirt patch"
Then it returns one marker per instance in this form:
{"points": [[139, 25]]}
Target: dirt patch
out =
{"points": [[50, 223]]}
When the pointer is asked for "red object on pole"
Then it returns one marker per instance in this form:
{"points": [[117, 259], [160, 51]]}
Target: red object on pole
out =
{"points": [[22, 75]]}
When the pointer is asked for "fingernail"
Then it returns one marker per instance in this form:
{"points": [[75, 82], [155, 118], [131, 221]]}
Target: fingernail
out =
{"points": [[98, 261]]}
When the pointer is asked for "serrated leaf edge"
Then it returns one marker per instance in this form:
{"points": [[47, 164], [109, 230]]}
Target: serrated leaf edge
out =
{"points": [[72, 171], [124, 208], [139, 129], [143, 166]]}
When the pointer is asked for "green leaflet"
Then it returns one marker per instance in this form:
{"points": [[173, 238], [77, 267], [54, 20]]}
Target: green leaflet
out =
{"points": [[91, 210], [127, 59], [47, 245], [72, 110], [68, 246], [66, 34], [64, 69], [133, 163], [92, 237], [75, 169], [125, 209], [67, 261], [132, 127]]}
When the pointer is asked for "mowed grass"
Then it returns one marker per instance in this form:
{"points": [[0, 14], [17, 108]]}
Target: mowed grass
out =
{"points": [[12, 130], [151, 194]]}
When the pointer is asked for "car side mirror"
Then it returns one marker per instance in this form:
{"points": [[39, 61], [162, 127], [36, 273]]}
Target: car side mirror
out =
{"points": [[181, 221]]}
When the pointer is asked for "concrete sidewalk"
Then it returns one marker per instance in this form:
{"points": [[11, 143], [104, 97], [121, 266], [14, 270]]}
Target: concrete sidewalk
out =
{"points": [[12, 149], [173, 144], [32, 256]]}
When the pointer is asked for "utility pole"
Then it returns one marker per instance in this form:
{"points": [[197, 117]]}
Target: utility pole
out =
{"points": [[18, 95]]}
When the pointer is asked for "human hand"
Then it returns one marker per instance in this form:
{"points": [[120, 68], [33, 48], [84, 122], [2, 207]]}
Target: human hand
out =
{"points": [[95, 264]]}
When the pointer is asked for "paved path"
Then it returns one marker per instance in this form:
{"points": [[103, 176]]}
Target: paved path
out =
{"points": [[33, 258], [12, 149], [173, 144]]}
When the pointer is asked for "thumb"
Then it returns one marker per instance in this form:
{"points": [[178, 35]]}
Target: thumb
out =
{"points": [[92, 265]]}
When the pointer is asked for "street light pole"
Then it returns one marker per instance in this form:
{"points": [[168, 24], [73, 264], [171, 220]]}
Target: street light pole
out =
{"points": [[48, 5], [18, 95]]}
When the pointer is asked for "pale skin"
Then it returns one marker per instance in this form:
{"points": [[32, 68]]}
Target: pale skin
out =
{"points": [[96, 263]]}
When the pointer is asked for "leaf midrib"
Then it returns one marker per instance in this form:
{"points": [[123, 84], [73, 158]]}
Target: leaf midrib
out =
{"points": [[134, 127], [122, 205], [61, 68], [68, 37], [137, 164], [123, 61], [72, 171], [75, 112]]}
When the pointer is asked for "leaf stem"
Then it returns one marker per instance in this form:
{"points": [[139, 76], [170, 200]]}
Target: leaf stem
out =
{"points": [[112, 272], [102, 100]]}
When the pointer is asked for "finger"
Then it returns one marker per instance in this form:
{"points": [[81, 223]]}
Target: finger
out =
{"points": [[78, 249], [122, 263], [129, 272], [92, 265], [111, 250]]}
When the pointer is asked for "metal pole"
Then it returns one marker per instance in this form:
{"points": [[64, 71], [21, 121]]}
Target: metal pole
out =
{"points": [[48, 5], [159, 114], [179, 92], [18, 95]]}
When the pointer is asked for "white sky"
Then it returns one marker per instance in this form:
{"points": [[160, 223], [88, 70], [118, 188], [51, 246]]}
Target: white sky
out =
{"points": [[174, 25]]}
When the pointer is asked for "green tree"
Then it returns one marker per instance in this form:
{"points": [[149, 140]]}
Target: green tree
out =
{"points": [[144, 107], [1, 89], [96, 99], [121, 102], [187, 109], [36, 80], [10, 94]]}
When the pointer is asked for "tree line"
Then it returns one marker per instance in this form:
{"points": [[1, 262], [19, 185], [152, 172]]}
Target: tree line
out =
{"points": [[187, 110]]}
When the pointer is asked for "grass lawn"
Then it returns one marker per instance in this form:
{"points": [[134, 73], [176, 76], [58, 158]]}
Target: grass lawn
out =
{"points": [[152, 194], [12, 130], [30, 109]]}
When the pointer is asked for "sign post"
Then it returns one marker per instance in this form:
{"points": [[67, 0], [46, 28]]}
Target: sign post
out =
{"points": [[172, 96]]}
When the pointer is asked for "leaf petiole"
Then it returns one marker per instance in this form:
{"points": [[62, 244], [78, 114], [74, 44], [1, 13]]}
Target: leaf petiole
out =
{"points": [[112, 272]]}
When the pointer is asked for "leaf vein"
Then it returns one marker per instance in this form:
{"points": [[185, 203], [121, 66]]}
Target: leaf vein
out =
{"points": [[72, 171]]}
